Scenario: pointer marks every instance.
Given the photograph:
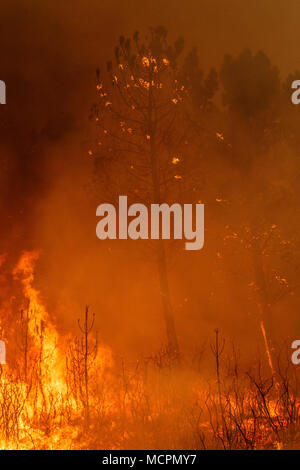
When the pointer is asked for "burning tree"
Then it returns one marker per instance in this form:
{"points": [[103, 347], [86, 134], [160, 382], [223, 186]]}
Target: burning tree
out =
{"points": [[144, 131]]}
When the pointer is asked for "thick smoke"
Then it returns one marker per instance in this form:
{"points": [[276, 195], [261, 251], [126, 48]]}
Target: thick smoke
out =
{"points": [[50, 51]]}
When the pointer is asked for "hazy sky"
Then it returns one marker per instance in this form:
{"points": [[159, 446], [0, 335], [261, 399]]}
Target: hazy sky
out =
{"points": [[50, 50]]}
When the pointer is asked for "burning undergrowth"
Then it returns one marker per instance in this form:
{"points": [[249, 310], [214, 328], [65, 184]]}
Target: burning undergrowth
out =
{"points": [[69, 393]]}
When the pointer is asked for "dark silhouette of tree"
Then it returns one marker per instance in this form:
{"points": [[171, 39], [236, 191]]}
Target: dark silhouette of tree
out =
{"points": [[253, 97], [143, 144], [201, 88]]}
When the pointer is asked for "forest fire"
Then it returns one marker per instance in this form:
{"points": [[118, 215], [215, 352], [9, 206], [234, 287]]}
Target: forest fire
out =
{"points": [[120, 327], [64, 393], [36, 400]]}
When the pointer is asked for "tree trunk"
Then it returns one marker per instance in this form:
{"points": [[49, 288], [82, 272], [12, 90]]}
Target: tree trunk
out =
{"points": [[166, 301], [161, 254], [264, 306]]}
